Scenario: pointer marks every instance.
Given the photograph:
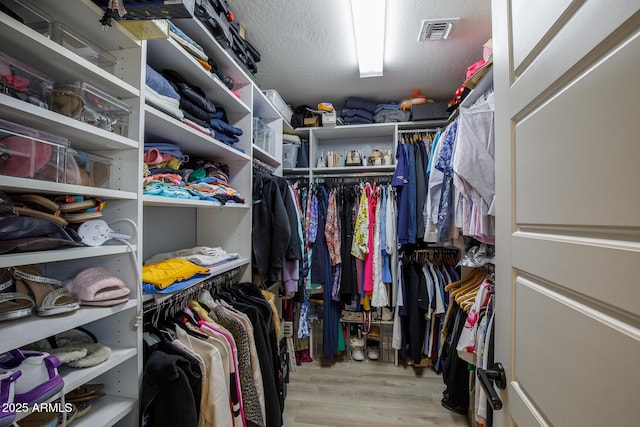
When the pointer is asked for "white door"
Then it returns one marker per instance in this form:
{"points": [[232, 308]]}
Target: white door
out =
{"points": [[567, 85]]}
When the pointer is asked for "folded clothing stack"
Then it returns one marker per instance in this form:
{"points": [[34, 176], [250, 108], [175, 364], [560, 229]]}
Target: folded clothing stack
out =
{"points": [[178, 176], [390, 113], [160, 94], [358, 111]]}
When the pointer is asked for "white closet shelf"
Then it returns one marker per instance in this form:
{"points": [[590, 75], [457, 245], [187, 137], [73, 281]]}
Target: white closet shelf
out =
{"points": [[75, 377], [11, 183], [20, 332], [355, 131], [163, 127], [262, 155], [26, 258], [354, 169], [81, 135], [106, 411], [294, 171], [57, 61], [170, 201], [167, 51], [215, 271]]}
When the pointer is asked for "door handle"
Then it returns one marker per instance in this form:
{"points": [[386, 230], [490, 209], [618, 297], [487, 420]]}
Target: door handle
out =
{"points": [[496, 376]]}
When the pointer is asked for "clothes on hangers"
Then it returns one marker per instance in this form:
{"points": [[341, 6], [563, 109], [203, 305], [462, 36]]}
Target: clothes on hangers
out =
{"points": [[229, 332]]}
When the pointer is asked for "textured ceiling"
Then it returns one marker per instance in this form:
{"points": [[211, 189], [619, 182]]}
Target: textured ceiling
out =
{"points": [[308, 53]]}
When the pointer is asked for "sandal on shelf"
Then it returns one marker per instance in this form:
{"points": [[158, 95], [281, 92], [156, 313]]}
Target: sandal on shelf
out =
{"points": [[85, 392], [39, 381], [50, 296], [13, 305], [37, 206]]}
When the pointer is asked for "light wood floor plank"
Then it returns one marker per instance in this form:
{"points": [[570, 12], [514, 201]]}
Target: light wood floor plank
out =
{"points": [[368, 393]]}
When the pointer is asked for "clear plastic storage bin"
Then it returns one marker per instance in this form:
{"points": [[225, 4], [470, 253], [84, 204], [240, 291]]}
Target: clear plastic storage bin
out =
{"points": [[28, 14], [263, 136], [21, 81], [79, 45], [279, 104], [83, 168], [88, 104], [30, 153]]}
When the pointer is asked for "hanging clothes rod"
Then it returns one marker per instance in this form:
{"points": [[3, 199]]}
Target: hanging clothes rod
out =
{"points": [[426, 130], [296, 176], [262, 166], [355, 175]]}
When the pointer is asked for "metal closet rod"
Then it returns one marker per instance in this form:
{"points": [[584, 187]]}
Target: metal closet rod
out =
{"points": [[419, 130], [354, 175]]}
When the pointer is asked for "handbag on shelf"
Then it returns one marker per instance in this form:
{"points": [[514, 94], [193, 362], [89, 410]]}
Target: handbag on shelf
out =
{"points": [[376, 158], [353, 158]]}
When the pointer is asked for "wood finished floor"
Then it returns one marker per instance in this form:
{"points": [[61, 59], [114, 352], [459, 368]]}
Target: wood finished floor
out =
{"points": [[368, 393]]}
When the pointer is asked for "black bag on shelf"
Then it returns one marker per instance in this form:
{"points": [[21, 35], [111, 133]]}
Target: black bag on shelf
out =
{"points": [[216, 22]]}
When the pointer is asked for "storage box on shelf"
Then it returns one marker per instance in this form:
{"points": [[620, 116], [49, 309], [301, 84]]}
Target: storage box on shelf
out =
{"points": [[263, 136], [82, 101], [29, 153], [83, 168], [28, 14], [279, 104], [24, 82], [66, 37]]}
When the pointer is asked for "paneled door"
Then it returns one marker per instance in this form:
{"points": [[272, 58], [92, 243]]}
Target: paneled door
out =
{"points": [[567, 88]]}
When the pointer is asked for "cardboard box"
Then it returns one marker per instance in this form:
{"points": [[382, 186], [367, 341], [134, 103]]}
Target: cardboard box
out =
{"points": [[329, 119]]}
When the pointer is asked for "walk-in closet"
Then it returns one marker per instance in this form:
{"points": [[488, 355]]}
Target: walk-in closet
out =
{"points": [[220, 213]]}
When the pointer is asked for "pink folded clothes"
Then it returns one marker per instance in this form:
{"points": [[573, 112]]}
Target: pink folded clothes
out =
{"points": [[155, 157], [97, 286]]}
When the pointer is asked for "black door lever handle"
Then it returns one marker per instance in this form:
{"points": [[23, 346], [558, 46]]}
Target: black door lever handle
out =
{"points": [[496, 376]]}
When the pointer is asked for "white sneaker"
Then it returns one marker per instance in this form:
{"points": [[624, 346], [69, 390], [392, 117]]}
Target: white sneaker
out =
{"points": [[373, 353], [357, 354]]}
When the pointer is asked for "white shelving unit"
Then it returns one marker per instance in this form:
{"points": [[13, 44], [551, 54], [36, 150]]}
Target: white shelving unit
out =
{"points": [[113, 326], [364, 138], [169, 223]]}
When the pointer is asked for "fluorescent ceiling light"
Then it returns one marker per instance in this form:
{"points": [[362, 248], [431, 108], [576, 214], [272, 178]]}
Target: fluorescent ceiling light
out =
{"points": [[368, 24]]}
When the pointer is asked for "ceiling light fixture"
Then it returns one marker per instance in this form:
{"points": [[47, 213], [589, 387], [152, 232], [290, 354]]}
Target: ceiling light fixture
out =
{"points": [[368, 25]]}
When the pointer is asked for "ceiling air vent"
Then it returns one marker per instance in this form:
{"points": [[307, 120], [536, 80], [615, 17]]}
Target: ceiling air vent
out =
{"points": [[436, 29]]}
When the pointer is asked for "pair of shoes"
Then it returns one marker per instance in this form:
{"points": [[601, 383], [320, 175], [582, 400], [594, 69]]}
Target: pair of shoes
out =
{"points": [[77, 348], [13, 305], [35, 375], [357, 349], [373, 353], [49, 295], [98, 287], [84, 393]]}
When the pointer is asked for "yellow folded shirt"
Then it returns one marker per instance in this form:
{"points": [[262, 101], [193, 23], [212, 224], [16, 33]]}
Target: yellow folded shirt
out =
{"points": [[167, 272]]}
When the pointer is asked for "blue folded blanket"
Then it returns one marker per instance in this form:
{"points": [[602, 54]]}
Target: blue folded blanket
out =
{"points": [[351, 113], [356, 121], [390, 106], [161, 85], [356, 103]]}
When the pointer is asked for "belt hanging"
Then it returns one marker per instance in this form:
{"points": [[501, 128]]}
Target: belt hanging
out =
{"points": [[366, 322]]}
